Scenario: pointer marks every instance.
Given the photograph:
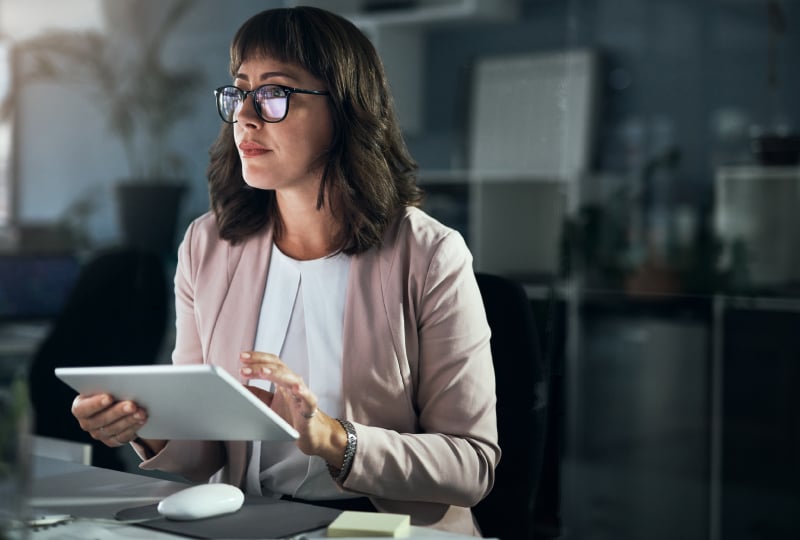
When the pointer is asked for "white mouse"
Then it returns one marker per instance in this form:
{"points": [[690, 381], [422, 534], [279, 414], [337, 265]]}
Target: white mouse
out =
{"points": [[202, 501]]}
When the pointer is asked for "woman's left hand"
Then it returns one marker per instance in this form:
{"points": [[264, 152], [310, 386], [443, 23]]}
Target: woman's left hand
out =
{"points": [[319, 433]]}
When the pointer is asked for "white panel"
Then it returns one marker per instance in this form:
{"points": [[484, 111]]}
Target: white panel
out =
{"points": [[532, 114], [517, 226], [530, 136]]}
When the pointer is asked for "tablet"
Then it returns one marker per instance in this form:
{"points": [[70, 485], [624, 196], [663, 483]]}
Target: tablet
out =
{"points": [[192, 402]]}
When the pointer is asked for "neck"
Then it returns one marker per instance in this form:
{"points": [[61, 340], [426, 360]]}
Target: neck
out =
{"points": [[308, 232]]}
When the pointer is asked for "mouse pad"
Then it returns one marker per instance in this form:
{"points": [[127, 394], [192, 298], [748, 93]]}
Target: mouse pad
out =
{"points": [[260, 517]]}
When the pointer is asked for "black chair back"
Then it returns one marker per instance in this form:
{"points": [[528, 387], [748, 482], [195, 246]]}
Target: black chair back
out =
{"points": [[116, 314], [522, 396]]}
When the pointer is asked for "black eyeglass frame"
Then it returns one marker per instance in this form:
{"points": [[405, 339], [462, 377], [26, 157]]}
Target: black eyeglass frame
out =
{"points": [[244, 93]]}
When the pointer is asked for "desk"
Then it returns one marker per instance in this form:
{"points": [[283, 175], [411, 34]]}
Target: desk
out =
{"points": [[61, 487]]}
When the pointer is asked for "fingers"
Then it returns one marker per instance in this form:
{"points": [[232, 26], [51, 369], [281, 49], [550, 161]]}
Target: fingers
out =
{"points": [[303, 396], [109, 435], [87, 406], [112, 423], [259, 365], [294, 408]]}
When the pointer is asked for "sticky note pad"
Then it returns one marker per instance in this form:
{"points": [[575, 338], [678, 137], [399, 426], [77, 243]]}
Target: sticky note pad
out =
{"points": [[350, 523]]}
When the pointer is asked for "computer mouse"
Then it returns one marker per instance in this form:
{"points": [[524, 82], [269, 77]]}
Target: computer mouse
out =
{"points": [[202, 501]]}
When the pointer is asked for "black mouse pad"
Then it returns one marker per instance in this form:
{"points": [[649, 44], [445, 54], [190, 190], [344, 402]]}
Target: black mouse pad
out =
{"points": [[259, 517]]}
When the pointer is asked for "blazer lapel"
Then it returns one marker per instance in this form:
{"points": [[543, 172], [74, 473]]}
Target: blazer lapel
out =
{"points": [[238, 313], [237, 320], [373, 347]]}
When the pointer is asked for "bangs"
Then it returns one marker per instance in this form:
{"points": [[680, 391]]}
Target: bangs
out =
{"points": [[276, 34]]}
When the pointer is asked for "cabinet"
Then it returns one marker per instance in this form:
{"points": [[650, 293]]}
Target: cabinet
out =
{"points": [[756, 413], [756, 215], [636, 464], [684, 419], [513, 225]]}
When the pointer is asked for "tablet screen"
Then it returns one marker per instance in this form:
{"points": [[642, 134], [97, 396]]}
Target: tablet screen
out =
{"points": [[193, 402]]}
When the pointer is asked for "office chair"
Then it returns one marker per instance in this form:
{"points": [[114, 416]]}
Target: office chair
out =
{"points": [[522, 384], [116, 314]]}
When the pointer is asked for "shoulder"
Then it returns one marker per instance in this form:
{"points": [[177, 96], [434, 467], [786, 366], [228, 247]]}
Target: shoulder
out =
{"points": [[418, 233], [203, 247], [417, 244], [203, 229], [202, 241]]}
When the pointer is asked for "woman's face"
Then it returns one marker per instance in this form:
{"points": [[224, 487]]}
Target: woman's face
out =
{"points": [[283, 155]]}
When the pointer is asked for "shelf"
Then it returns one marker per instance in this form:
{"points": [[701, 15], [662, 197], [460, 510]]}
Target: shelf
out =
{"points": [[473, 176], [368, 15], [745, 172], [435, 12]]}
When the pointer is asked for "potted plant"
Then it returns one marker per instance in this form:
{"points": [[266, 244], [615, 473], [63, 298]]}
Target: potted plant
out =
{"points": [[142, 99]]}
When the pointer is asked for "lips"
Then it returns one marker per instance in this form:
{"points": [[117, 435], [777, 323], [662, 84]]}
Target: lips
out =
{"points": [[251, 149]]}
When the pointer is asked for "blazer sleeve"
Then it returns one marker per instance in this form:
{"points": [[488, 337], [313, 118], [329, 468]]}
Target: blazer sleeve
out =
{"points": [[452, 456], [195, 460]]}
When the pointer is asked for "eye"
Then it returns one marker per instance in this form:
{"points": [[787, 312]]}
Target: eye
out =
{"points": [[272, 92], [231, 92]]}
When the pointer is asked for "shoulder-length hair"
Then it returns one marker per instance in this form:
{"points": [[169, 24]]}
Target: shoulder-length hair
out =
{"points": [[368, 175]]}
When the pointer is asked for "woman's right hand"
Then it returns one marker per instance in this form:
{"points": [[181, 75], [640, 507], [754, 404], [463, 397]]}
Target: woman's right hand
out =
{"points": [[114, 423]]}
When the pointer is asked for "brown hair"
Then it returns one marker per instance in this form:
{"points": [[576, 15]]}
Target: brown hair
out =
{"points": [[368, 176]]}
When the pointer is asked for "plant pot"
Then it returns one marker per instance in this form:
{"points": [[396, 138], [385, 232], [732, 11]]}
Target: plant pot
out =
{"points": [[148, 214]]}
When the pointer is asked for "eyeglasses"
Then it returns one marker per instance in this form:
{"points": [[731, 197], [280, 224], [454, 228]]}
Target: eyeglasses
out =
{"points": [[271, 101]]}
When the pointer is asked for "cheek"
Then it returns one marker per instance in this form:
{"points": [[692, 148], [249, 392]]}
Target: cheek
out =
{"points": [[238, 135], [321, 136]]}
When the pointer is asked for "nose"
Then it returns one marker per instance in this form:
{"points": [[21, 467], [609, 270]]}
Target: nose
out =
{"points": [[247, 113]]}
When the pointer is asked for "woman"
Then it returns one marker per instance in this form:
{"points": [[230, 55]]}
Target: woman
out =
{"points": [[319, 283]]}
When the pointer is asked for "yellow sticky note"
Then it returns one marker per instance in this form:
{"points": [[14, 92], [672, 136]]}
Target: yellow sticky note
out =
{"points": [[350, 523]]}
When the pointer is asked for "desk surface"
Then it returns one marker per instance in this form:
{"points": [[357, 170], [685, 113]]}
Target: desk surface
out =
{"points": [[96, 495]]}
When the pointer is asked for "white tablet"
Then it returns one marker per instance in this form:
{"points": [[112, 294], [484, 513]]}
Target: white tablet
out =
{"points": [[193, 402]]}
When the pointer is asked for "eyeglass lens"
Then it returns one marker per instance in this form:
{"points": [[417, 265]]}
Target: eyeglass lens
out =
{"points": [[270, 101]]}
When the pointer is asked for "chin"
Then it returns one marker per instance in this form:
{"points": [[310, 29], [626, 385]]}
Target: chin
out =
{"points": [[253, 184], [258, 181]]}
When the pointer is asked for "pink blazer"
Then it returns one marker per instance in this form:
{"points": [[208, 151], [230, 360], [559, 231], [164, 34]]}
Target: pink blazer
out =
{"points": [[418, 377]]}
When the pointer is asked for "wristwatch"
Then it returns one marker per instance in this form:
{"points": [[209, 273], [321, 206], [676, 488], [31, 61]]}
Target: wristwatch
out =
{"points": [[339, 475]]}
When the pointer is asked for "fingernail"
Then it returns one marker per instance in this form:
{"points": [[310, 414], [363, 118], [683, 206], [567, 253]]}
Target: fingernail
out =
{"points": [[138, 416], [127, 407], [246, 371], [245, 355], [266, 370], [106, 401]]}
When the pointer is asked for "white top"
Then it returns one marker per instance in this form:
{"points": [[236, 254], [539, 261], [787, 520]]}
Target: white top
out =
{"points": [[301, 320]]}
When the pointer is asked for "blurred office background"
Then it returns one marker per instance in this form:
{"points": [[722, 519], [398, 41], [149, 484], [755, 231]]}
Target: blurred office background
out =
{"points": [[633, 163]]}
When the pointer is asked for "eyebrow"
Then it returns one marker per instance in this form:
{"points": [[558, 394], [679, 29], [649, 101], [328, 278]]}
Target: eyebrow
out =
{"points": [[264, 76]]}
